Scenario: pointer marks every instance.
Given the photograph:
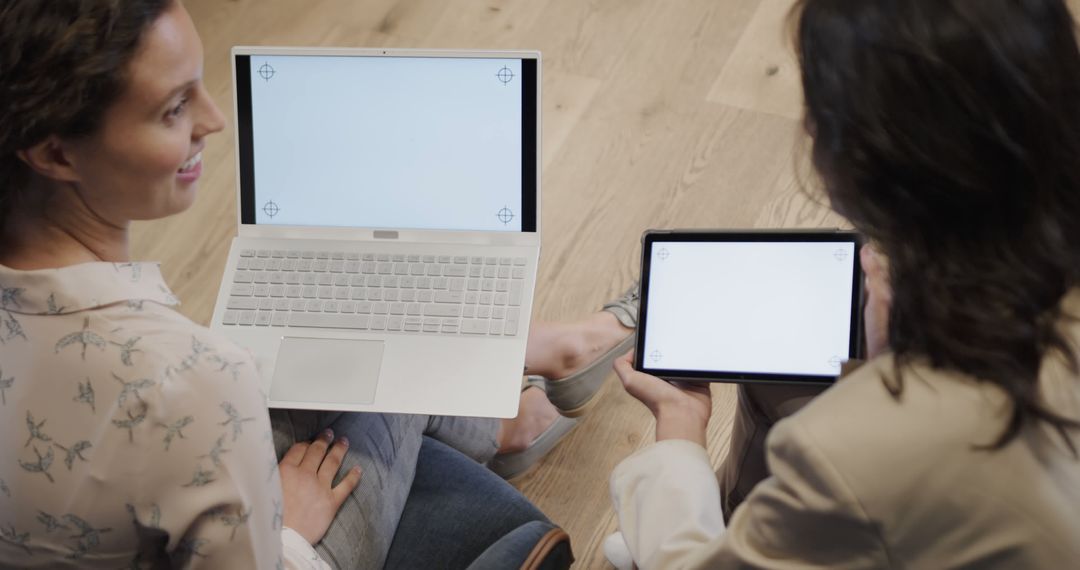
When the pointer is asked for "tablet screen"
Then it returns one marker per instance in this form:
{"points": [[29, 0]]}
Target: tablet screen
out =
{"points": [[750, 306]]}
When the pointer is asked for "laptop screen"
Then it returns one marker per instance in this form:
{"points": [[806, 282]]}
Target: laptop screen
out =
{"points": [[438, 143]]}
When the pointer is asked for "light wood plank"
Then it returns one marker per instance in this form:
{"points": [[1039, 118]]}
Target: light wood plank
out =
{"points": [[763, 73], [586, 37], [566, 98], [498, 24]]}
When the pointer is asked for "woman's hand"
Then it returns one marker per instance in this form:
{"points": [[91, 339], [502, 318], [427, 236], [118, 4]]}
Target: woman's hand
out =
{"points": [[878, 300], [307, 477], [681, 410]]}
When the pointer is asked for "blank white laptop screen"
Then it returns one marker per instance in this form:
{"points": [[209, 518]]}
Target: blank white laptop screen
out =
{"points": [[436, 143], [750, 309]]}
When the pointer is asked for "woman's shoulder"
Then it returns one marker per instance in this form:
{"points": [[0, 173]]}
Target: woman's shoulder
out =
{"points": [[137, 383], [878, 398], [883, 445], [144, 352], [922, 461], [101, 319]]}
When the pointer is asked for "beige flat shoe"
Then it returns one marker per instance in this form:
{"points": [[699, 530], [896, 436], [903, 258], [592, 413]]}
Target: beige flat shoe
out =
{"points": [[575, 394], [516, 464]]}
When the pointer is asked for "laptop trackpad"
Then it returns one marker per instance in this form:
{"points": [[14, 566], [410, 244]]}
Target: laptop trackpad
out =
{"points": [[329, 370]]}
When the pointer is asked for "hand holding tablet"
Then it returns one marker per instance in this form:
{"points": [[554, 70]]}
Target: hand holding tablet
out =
{"points": [[749, 306]]}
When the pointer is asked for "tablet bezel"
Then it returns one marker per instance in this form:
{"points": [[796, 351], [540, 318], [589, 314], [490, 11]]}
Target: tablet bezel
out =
{"points": [[652, 237]]}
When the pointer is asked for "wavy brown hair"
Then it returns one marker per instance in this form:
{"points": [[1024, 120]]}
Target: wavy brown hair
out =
{"points": [[62, 64], [948, 132]]}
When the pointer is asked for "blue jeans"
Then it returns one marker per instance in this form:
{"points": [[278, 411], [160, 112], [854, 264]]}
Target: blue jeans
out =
{"points": [[461, 515], [392, 450]]}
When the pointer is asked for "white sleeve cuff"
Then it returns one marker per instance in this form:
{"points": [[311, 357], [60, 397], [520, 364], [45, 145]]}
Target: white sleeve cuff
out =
{"points": [[668, 502], [298, 554]]}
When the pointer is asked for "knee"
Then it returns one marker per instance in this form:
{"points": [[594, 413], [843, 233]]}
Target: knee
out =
{"points": [[535, 545]]}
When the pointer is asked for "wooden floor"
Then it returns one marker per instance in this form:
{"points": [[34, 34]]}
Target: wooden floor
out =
{"points": [[656, 114]]}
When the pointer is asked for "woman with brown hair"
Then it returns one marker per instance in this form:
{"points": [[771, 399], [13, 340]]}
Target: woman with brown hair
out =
{"points": [[132, 437], [948, 132]]}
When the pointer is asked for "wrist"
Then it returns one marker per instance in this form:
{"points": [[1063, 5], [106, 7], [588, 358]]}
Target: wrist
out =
{"points": [[679, 422]]}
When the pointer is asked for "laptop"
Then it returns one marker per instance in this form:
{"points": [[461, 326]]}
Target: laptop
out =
{"points": [[389, 227]]}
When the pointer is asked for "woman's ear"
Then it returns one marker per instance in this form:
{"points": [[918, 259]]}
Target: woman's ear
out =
{"points": [[49, 158]]}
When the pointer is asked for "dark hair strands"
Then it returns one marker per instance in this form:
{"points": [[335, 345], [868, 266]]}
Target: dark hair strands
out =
{"points": [[62, 64], [948, 132]]}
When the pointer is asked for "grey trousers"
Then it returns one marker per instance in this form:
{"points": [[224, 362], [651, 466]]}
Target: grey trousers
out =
{"points": [[386, 447], [760, 407]]}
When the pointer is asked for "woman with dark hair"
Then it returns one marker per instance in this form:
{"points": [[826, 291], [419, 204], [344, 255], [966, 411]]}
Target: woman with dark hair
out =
{"points": [[948, 132], [132, 437]]}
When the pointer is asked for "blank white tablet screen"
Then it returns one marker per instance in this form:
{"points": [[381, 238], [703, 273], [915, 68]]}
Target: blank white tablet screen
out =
{"points": [[750, 307]]}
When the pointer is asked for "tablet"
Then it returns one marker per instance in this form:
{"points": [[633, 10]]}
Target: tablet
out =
{"points": [[749, 306]]}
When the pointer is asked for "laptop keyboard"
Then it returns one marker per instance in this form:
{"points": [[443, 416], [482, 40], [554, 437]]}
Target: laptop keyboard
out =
{"points": [[433, 294]]}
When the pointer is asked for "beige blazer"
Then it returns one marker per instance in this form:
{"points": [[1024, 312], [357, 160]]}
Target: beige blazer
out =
{"points": [[861, 480]]}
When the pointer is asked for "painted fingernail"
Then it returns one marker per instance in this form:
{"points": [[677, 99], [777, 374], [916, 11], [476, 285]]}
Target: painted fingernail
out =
{"points": [[328, 434], [344, 441]]}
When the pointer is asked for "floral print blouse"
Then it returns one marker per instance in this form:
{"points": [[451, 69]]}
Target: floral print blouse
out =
{"points": [[129, 435]]}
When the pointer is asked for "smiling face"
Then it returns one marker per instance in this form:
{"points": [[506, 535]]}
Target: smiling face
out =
{"points": [[145, 160]]}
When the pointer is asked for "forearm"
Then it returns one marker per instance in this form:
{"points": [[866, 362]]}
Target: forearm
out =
{"points": [[668, 504]]}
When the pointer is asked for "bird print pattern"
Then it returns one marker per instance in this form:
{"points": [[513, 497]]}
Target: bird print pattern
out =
{"points": [[105, 387]]}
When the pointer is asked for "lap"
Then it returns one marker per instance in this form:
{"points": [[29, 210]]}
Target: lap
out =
{"points": [[759, 407], [456, 510], [386, 447]]}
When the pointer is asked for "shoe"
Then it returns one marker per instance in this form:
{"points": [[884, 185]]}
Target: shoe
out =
{"points": [[575, 394], [516, 464]]}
